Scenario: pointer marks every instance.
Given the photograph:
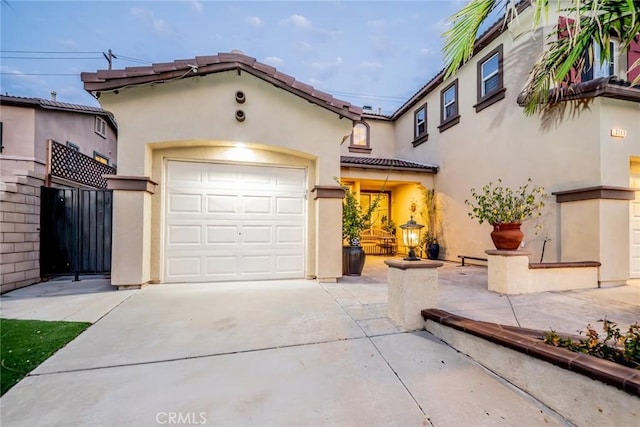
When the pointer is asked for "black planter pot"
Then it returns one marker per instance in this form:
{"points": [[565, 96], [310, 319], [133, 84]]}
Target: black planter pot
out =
{"points": [[433, 249], [352, 260]]}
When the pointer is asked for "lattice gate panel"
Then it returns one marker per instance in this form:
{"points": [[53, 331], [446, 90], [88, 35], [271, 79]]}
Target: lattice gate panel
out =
{"points": [[74, 166]]}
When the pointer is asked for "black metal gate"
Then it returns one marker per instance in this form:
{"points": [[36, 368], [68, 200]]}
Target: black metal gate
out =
{"points": [[75, 231]]}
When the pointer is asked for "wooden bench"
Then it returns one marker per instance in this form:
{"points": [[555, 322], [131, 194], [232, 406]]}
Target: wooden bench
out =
{"points": [[378, 242], [463, 257]]}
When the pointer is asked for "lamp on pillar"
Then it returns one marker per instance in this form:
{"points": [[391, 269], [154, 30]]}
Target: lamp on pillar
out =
{"points": [[411, 238]]}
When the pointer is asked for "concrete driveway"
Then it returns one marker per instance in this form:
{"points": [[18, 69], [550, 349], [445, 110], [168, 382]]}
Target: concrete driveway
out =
{"points": [[281, 353]]}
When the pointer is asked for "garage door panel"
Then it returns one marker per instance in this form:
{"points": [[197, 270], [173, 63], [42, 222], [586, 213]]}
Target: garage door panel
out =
{"points": [[185, 235], [183, 266], [261, 264], [289, 234], [223, 204], [290, 263], [185, 203], [184, 172], [221, 265], [234, 222], [257, 205], [289, 206], [255, 235], [222, 235]]}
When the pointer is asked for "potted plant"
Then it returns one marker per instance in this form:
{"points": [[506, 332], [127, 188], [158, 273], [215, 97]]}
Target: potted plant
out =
{"points": [[428, 240], [354, 221], [505, 209]]}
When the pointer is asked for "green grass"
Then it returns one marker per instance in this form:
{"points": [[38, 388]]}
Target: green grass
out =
{"points": [[25, 344]]}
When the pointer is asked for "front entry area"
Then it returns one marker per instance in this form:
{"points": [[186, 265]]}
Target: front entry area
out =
{"points": [[231, 222]]}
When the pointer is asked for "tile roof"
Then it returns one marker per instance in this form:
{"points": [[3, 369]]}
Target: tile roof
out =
{"points": [[49, 104], [608, 87], [386, 164], [106, 80]]}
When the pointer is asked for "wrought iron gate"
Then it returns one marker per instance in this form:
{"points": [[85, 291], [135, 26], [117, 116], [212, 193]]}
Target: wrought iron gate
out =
{"points": [[75, 231]]}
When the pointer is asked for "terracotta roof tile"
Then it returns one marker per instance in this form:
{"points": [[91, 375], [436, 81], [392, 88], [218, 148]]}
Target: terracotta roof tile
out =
{"points": [[383, 163], [161, 67], [139, 71], [105, 80], [207, 60], [267, 69]]}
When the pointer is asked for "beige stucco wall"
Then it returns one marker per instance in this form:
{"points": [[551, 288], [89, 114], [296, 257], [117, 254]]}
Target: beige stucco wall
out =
{"points": [[501, 142], [195, 119], [18, 131]]}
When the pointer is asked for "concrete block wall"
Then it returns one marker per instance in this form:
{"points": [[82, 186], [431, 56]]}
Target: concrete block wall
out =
{"points": [[19, 229]]}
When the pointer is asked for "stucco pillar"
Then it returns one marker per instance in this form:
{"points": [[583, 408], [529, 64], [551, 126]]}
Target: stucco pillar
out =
{"points": [[328, 232], [413, 287], [594, 225], [131, 241], [508, 271]]}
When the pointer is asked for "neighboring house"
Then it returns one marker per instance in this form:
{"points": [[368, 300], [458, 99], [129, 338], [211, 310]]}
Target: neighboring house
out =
{"points": [[227, 169], [28, 128]]}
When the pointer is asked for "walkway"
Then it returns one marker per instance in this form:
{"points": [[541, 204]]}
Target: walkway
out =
{"points": [[278, 353]]}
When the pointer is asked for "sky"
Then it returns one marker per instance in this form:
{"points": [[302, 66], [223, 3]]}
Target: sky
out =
{"points": [[374, 53]]}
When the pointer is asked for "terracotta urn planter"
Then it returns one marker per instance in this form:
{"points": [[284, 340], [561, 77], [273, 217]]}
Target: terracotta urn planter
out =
{"points": [[507, 237]]}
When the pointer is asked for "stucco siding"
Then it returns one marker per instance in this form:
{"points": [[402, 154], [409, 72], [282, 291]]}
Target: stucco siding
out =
{"points": [[195, 119]]}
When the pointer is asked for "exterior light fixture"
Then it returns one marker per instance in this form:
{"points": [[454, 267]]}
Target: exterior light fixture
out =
{"points": [[411, 238]]}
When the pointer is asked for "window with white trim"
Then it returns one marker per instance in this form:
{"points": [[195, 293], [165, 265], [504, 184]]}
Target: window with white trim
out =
{"points": [[359, 140], [101, 127], [449, 115], [595, 66], [449, 103], [420, 121]]}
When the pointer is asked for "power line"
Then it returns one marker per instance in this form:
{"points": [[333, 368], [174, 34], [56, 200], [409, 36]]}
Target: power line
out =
{"points": [[36, 74], [51, 52], [46, 57]]}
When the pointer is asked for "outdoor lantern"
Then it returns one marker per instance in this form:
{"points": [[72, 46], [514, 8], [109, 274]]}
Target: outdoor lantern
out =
{"points": [[411, 237]]}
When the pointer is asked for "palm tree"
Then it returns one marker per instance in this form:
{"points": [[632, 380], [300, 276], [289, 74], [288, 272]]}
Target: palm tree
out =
{"points": [[600, 21]]}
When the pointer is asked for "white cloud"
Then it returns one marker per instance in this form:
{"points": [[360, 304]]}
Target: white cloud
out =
{"points": [[274, 61], [255, 21], [159, 25], [197, 6], [426, 51], [299, 21]]}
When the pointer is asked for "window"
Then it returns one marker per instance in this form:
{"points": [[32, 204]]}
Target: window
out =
{"points": [[382, 210], [100, 158], [490, 79], [360, 138], [420, 134], [595, 66], [101, 127], [449, 106], [73, 146]]}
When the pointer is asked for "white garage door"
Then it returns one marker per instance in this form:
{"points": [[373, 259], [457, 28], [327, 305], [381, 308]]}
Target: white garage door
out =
{"points": [[233, 222]]}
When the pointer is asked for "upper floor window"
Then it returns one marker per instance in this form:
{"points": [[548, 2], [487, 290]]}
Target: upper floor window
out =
{"points": [[449, 115], [360, 138], [597, 65], [101, 127], [490, 79], [100, 158], [420, 134]]}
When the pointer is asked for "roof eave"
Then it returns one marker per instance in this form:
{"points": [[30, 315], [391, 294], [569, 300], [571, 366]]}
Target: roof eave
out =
{"points": [[429, 169], [119, 83]]}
